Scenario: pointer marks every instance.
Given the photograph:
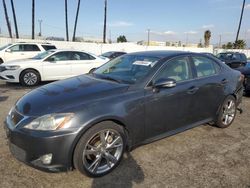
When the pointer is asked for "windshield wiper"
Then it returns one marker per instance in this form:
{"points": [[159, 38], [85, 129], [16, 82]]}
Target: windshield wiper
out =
{"points": [[111, 79]]}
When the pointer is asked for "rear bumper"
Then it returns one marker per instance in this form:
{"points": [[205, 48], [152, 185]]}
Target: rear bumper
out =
{"points": [[29, 148]]}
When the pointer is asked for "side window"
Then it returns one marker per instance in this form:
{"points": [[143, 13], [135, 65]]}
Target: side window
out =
{"points": [[83, 56], [60, 56], [177, 69], [31, 47], [205, 67], [16, 48]]}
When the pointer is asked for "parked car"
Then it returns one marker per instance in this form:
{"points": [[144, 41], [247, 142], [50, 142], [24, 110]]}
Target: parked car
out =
{"points": [[112, 54], [22, 50], [87, 122], [246, 72], [48, 66], [233, 59]]}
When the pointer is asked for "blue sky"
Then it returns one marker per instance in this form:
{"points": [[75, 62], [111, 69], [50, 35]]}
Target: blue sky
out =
{"points": [[168, 20]]}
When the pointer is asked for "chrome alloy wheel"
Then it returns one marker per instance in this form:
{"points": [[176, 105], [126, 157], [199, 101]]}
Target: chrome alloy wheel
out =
{"points": [[229, 110], [103, 151], [30, 78]]}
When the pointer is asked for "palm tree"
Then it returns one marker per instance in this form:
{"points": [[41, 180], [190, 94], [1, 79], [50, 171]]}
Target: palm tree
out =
{"points": [[105, 21], [7, 19], [207, 36], [242, 11], [14, 17], [33, 19], [66, 20], [77, 12]]}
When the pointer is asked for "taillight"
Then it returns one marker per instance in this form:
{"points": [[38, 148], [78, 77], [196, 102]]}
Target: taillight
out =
{"points": [[241, 78]]}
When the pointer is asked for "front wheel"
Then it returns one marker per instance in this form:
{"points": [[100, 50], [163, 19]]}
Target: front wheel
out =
{"points": [[29, 78], [227, 113], [100, 149]]}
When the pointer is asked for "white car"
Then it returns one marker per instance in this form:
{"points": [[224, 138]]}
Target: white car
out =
{"points": [[49, 66], [22, 50]]}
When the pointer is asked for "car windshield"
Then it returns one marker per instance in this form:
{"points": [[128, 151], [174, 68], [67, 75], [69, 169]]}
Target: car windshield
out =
{"points": [[5, 46], [43, 54], [126, 69]]}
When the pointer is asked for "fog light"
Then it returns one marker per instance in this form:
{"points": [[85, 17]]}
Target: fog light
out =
{"points": [[46, 159]]}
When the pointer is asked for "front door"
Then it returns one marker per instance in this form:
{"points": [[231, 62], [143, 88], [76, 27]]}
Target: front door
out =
{"points": [[169, 108], [57, 66]]}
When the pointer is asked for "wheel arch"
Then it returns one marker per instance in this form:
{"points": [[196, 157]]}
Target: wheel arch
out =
{"points": [[115, 120], [33, 69]]}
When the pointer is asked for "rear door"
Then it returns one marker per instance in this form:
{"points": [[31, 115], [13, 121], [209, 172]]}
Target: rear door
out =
{"points": [[210, 83], [82, 63], [57, 66], [170, 108]]}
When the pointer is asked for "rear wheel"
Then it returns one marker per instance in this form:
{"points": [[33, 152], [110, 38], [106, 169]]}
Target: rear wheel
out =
{"points": [[227, 113], [1, 61], [30, 78], [100, 149]]}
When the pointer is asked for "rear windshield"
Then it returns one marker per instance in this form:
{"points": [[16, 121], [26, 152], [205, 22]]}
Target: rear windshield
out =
{"points": [[48, 47]]}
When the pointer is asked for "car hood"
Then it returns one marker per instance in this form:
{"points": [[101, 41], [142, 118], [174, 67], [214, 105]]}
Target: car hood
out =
{"points": [[63, 95], [20, 62]]}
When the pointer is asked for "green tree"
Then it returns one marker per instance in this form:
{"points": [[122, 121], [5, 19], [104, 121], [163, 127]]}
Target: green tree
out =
{"points": [[207, 36], [229, 45], [121, 38], [240, 44]]}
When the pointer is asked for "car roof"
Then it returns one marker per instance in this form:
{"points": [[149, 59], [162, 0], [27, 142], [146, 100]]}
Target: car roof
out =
{"points": [[161, 54]]}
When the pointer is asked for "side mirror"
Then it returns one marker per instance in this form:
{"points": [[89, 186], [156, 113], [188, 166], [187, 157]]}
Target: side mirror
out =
{"points": [[8, 50], [164, 83]]}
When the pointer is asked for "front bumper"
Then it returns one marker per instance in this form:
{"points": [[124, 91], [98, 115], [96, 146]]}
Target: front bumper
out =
{"points": [[10, 75], [29, 146]]}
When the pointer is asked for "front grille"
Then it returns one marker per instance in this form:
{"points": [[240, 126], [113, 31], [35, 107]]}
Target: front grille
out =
{"points": [[2, 69], [15, 117]]}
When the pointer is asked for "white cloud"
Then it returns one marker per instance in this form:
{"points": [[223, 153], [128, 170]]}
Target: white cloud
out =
{"points": [[163, 33], [120, 24], [191, 32], [247, 7], [170, 33], [208, 26]]}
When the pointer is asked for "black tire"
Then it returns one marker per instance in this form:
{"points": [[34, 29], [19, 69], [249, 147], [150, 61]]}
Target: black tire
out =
{"points": [[30, 78], [227, 112], [88, 149], [1, 61]]}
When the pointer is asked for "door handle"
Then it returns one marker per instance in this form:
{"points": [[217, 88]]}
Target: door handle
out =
{"points": [[192, 90], [224, 81]]}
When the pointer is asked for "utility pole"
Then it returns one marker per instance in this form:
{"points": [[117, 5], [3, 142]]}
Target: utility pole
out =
{"points": [[33, 20], [7, 19], [219, 41], [40, 27], [14, 17], [148, 36], [105, 21], [242, 11]]}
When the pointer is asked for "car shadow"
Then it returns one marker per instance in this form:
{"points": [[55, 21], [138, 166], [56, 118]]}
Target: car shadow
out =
{"points": [[127, 173], [17, 86]]}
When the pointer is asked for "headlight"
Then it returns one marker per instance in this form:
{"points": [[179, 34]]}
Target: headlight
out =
{"points": [[51, 122], [12, 67]]}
